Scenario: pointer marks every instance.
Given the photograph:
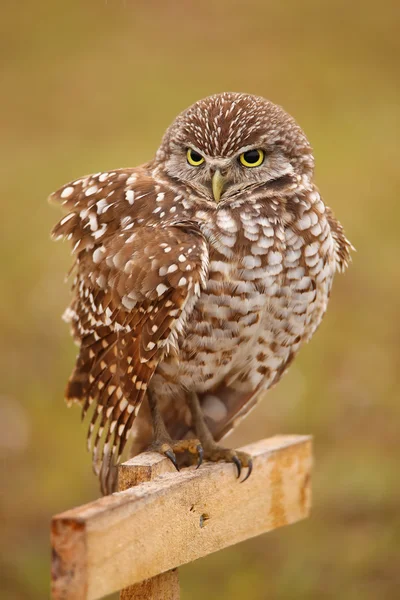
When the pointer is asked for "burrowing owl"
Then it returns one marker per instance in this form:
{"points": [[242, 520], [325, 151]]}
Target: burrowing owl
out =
{"points": [[199, 275]]}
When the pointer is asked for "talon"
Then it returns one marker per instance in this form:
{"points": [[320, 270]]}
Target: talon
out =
{"points": [[200, 452], [172, 458], [250, 468], [238, 465]]}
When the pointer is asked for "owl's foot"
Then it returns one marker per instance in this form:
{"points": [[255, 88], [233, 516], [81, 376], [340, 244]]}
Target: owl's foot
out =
{"points": [[163, 443], [170, 448], [212, 451], [241, 459]]}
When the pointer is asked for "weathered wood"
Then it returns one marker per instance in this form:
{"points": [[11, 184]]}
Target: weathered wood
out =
{"points": [[140, 469], [156, 526]]}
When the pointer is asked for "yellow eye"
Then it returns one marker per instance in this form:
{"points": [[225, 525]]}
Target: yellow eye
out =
{"points": [[194, 158], [252, 158]]}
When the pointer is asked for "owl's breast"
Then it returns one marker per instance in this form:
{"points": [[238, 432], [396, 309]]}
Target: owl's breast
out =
{"points": [[267, 291]]}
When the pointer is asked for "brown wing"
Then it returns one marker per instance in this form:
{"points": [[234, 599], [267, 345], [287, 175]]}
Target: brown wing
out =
{"points": [[137, 280]]}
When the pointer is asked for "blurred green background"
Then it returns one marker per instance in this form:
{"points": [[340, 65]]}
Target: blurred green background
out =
{"points": [[91, 85]]}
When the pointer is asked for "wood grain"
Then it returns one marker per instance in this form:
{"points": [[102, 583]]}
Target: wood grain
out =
{"points": [[156, 526]]}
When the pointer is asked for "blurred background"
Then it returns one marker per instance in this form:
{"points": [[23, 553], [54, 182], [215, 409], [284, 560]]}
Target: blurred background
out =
{"points": [[90, 86]]}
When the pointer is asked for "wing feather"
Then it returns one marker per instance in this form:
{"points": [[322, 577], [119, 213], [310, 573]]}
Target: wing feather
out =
{"points": [[138, 278]]}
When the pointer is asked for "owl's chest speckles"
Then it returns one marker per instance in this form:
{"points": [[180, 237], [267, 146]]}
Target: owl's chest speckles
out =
{"points": [[267, 290]]}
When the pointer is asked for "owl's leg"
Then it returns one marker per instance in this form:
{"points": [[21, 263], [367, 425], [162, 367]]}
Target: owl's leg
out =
{"points": [[212, 451], [164, 444]]}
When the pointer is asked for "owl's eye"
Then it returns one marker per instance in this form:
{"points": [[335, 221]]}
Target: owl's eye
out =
{"points": [[252, 158], [194, 158]]}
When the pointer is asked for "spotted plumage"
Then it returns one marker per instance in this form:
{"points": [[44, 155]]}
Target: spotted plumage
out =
{"points": [[204, 279]]}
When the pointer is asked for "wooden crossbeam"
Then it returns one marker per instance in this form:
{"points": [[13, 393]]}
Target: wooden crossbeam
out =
{"points": [[158, 525]]}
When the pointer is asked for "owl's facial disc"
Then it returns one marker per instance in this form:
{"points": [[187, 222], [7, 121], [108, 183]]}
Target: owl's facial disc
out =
{"points": [[223, 177]]}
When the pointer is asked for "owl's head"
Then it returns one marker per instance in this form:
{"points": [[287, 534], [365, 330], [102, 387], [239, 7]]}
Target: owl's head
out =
{"points": [[230, 143]]}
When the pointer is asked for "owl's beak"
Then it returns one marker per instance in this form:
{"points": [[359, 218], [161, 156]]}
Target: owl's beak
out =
{"points": [[218, 182]]}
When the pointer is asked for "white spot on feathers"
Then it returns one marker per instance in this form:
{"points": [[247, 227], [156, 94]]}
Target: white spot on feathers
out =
{"points": [[67, 192], [251, 261], [311, 249], [128, 303], [67, 218], [305, 222], [130, 196], [91, 190], [98, 254], [131, 179], [161, 288], [101, 231], [101, 206], [274, 258], [93, 222]]}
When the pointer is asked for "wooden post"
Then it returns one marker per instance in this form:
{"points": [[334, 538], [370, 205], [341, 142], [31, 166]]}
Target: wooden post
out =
{"points": [[139, 535], [140, 469]]}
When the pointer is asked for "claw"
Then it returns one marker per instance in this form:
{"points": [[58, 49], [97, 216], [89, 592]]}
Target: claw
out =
{"points": [[172, 458], [250, 468], [200, 452], [238, 465]]}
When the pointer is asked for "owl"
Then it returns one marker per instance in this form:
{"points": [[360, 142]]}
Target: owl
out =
{"points": [[198, 277]]}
